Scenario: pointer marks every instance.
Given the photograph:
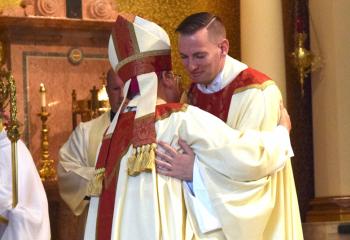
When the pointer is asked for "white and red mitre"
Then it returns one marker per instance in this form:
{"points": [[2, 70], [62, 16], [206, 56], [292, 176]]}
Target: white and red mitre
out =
{"points": [[138, 49]]}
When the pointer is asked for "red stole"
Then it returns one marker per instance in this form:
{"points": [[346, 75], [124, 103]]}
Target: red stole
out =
{"points": [[112, 150], [218, 103]]}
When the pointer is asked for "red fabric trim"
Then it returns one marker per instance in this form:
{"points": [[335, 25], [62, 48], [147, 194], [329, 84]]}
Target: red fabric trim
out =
{"points": [[218, 103], [145, 65], [112, 150], [144, 128], [168, 108], [123, 39]]}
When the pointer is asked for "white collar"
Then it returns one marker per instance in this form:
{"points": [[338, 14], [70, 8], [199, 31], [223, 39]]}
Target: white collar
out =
{"points": [[230, 71], [214, 86]]}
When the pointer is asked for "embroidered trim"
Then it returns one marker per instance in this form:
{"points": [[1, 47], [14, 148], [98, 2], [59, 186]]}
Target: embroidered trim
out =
{"points": [[96, 184], [168, 113], [255, 85], [142, 55], [144, 131]]}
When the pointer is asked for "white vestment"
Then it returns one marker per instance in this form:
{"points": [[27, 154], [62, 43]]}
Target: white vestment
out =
{"points": [[262, 209], [151, 206], [77, 157], [30, 218]]}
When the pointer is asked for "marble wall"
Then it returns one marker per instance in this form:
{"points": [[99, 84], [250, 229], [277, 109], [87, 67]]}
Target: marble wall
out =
{"points": [[41, 55]]}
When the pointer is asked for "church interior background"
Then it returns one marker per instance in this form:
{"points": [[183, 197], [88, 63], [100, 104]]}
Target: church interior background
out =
{"points": [[63, 45]]}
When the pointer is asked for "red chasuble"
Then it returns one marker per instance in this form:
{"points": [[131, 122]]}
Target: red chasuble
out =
{"points": [[218, 103]]}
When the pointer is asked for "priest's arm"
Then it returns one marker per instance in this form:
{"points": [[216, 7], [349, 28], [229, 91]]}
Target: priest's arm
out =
{"points": [[74, 170]]}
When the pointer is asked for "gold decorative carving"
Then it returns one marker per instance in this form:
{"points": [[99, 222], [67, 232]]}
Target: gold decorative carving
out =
{"points": [[100, 9], [47, 7], [52, 8], [169, 14]]}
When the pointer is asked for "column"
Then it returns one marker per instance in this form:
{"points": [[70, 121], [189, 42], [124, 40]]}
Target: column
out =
{"points": [[329, 35], [262, 45]]}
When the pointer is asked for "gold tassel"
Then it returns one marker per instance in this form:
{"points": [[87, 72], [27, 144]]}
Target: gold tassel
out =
{"points": [[131, 161], [134, 168], [145, 157], [149, 162], [96, 184], [142, 159], [138, 162]]}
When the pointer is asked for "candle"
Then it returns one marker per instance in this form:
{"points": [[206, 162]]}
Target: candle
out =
{"points": [[42, 95]]}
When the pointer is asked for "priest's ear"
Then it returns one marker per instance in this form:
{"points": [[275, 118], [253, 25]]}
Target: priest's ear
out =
{"points": [[224, 46]]}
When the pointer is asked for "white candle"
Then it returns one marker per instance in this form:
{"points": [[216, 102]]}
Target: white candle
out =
{"points": [[42, 95]]}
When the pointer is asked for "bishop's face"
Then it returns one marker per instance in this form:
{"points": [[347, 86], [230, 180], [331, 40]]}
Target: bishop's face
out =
{"points": [[202, 58]]}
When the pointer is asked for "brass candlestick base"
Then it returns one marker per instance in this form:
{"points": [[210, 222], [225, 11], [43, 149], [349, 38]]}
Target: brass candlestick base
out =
{"points": [[47, 171]]}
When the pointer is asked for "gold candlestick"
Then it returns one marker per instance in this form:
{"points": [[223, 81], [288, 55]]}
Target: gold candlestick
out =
{"points": [[47, 171]]}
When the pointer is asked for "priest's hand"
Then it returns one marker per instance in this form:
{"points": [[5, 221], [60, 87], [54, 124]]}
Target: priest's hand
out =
{"points": [[175, 164], [284, 118]]}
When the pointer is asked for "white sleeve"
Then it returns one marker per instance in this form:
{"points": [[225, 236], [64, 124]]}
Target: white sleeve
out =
{"points": [[73, 170], [241, 156]]}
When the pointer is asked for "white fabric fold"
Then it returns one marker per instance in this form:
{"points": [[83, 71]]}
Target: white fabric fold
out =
{"points": [[30, 218]]}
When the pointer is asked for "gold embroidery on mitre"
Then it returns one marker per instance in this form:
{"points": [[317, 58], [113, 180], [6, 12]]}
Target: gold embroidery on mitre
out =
{"points": [[142, 159], [141, 55], [96, 184]]}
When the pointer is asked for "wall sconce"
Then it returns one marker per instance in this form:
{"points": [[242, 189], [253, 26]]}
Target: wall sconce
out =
{"points": [[304, 60]]}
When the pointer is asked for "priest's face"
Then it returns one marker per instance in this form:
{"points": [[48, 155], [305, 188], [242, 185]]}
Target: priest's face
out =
{"points": [[203, 57], [114, 90]]}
